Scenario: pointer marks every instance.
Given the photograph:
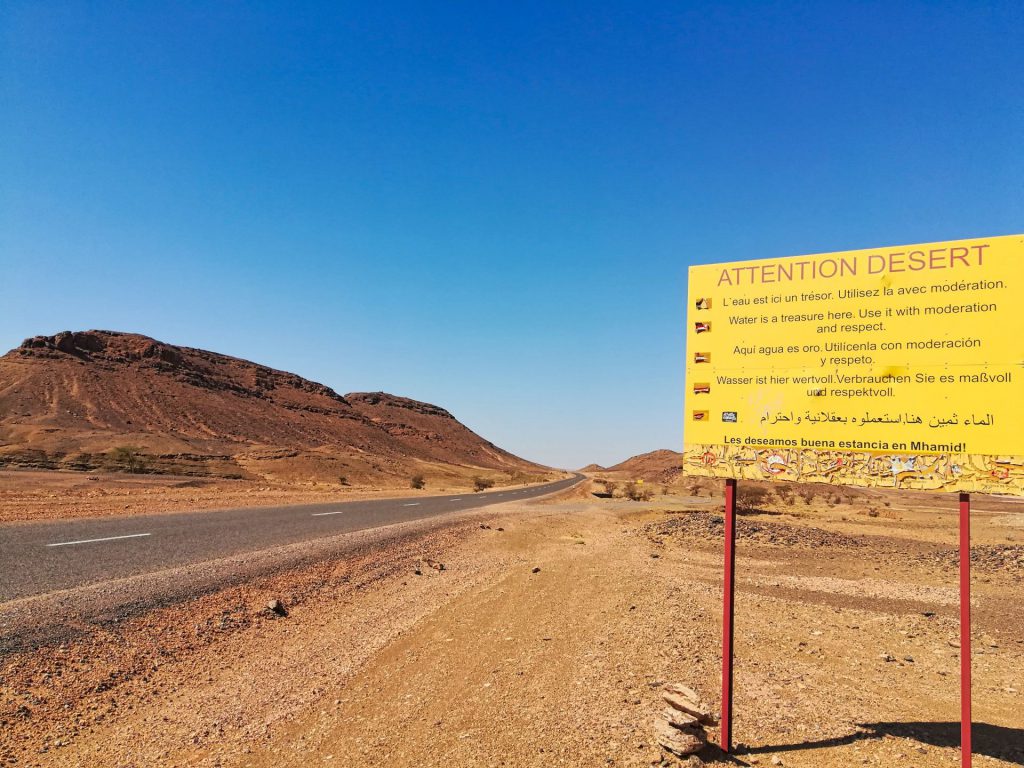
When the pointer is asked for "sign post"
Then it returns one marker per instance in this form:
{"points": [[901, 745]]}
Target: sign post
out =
{"points": [[896, 367], [728, 593], [965, 630]]}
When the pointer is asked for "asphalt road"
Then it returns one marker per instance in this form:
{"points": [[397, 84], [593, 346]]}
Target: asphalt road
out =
{"points": [[36, 558]]}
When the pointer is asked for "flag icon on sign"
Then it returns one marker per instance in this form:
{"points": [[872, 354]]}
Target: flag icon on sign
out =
{"points": [[702, 327], [702, 357], [701, 389], [700, 415]]}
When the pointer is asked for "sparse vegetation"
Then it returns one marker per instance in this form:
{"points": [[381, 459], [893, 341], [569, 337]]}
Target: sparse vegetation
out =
{"points": [[128, 458], [635, 491], [482, 483], [610, 486], [519, 477], [417, 482], [342, 480], [875, 512], [751, 498], [784, 493]]}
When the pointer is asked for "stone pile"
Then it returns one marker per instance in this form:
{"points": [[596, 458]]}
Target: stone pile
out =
{"points": [[426, 562], [680, 726]]}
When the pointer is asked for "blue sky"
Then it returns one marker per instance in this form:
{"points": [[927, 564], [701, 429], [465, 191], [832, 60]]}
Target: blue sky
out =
{"points": [[488, 206]]}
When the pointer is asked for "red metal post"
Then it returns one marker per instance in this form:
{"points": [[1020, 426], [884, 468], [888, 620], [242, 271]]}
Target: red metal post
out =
{"points": [[729, 589], [965, 630]]}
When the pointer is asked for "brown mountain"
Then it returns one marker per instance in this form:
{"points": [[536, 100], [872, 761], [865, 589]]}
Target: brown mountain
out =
{"points": [[70, 400], [661, 466]]}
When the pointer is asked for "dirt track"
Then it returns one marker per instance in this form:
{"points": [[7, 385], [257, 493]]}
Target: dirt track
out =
{"points": [[845, 653]]}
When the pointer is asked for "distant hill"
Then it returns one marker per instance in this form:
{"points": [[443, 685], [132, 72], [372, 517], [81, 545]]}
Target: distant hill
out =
{"points": [[593, 468], [67, 401], [661, 466]]}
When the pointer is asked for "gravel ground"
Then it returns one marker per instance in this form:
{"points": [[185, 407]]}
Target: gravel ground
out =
{"points": [[542, 644]]}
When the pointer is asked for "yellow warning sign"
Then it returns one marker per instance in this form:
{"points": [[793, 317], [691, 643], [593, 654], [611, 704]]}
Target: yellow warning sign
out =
{"points": [[898, 366]]}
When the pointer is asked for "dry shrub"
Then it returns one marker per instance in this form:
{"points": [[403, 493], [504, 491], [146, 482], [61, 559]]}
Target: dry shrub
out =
{"points": [[888, 514], [636, 492], [784, 493], [751, 498], [129, 458]]}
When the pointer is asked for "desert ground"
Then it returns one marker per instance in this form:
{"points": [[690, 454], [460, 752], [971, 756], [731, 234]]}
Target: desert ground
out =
{"points": [[34, 495], [543, 634]]}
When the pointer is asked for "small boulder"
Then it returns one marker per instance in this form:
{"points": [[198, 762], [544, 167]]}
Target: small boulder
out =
{"points": [[679, 719], [678, 741], [686, 700], [276, 607]]}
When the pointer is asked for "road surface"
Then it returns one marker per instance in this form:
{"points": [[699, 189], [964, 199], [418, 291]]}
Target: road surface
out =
{"points": [[36, 558]]}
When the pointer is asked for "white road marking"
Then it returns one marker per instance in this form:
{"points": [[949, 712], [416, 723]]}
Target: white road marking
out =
{"points": [[414, 504], [105, 538], [324, 514], [458, 499]]}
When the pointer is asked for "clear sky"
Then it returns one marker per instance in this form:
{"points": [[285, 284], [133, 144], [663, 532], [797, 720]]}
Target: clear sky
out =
{"points": [[488, 206]]}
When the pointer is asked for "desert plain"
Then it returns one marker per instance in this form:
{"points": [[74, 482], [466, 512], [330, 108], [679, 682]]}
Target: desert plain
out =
{"points": [[543, 633]]}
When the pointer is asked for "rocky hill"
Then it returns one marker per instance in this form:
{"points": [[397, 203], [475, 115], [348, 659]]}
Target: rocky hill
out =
{"points": [[91, 399], [661, 466]]}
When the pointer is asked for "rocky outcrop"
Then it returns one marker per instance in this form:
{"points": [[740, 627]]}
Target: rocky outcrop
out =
{"points": [[383, 399]]}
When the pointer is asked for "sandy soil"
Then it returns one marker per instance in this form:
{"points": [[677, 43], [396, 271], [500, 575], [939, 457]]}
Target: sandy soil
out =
{"points": [[846, 648]]}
